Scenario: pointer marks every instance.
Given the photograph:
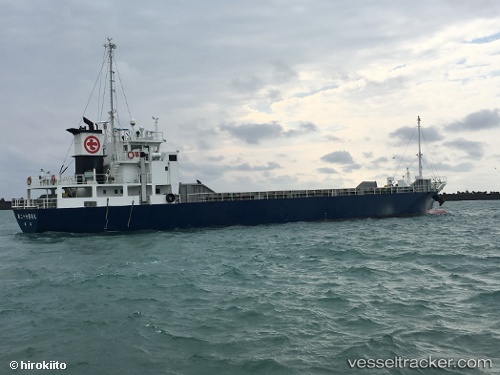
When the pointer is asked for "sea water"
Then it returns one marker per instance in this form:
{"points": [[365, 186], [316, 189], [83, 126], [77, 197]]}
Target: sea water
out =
{"points": [[301, 298]]}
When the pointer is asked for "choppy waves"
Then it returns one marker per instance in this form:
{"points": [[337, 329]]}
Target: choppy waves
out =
{"points": [[298, 298]]}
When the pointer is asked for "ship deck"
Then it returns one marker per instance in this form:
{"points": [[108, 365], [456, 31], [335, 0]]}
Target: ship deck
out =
{"points": [[51, 202], [290, 194]]}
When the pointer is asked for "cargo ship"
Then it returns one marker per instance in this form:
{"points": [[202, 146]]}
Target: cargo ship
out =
{"points": [[124, 181]]}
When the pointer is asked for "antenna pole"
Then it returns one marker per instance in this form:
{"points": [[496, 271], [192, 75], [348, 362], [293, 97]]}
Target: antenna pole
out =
{"points": [[156, 124], [111, 46], [419, 150]]}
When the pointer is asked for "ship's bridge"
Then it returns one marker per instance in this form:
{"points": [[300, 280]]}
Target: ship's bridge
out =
{"points": [[129, 145]]}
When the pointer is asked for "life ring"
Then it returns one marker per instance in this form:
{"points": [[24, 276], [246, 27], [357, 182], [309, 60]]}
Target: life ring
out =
{"points": [[28, 180], [170, 198], [53, 179], [130, 155]]}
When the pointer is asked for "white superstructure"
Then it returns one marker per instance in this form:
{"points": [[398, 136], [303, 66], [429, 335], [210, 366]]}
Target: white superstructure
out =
{"points": [[113, 166]]}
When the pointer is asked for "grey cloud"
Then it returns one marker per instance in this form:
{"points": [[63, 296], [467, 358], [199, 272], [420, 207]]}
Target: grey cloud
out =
{"points": [[284, 180], [274, 95], [462, 167], [214, 170], [248, 168], [203, 145], [304, 127], [338, 157], [326, 170], [315, 91], [250, 83], [333, 138], [376, 163], [405, 133], [254, 133], [484, 119], [373, 89], [202, 171], [283, 72], [380, 160], [351, 167], [215, 158], [342, 158], [474, 150]]}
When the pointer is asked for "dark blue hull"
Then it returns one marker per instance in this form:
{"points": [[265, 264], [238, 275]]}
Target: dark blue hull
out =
{"points": [[211, 214]]}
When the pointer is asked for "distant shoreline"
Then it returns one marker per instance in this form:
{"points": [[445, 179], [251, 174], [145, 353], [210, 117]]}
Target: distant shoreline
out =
{"points": [[4, 205], [458, 196], [472, 196]]}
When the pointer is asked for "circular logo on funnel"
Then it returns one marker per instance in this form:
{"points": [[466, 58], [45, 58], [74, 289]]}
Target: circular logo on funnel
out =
{"points": [[92, 144]]}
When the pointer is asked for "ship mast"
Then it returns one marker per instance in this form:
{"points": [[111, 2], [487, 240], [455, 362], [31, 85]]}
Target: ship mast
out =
{"points": [[156, 123], [419, 151], [110, 47]]}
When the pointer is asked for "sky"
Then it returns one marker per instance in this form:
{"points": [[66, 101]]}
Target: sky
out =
{"points": [[262, 95]]}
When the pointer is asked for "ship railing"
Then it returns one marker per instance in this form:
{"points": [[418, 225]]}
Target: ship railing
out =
{"points": [[438, 183], [440, 179], [45, 202], [131, 156], [132, 178], [43, 182], [290, 194], [145, 135], [21, 203], [42, 202], [86, 178], [90, 178]]}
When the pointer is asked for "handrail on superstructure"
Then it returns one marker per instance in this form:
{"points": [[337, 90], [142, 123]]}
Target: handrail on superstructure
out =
{"points": [[34, 203], [89, 178]]}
